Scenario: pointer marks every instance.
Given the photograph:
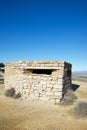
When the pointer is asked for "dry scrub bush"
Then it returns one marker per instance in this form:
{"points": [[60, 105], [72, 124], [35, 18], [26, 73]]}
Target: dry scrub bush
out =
{"points": [[81, 108], [68, 98], [16, 96], [10, 92]]}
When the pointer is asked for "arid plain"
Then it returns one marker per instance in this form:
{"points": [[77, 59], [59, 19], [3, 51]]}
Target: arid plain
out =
{"points": [[18, 114]]}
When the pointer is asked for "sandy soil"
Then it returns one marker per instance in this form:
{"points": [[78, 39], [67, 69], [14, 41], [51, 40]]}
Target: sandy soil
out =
{"points": [[17, 114]]}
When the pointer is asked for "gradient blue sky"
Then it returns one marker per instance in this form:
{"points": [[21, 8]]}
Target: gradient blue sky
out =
{"points": [[44, 30]]}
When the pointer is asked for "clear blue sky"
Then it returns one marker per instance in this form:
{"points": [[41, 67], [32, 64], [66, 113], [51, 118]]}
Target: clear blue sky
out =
{"points": [[44, 30]]}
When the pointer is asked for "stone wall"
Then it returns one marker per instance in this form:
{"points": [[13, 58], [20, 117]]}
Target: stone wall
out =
{"points": [[39, 80]]}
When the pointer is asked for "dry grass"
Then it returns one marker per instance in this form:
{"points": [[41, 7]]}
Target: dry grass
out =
{"points": [[39, 115], [82, 90]]}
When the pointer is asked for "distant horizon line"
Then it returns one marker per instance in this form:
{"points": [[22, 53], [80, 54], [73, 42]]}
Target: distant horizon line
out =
{"points": [[82, 71]]}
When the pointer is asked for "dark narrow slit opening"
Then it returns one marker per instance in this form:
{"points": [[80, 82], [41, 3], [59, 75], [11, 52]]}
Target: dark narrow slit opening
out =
{"points": [[42, 71]]}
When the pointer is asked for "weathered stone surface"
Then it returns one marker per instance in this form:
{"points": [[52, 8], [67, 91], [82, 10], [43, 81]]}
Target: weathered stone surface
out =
{"points": [[51, 79]]}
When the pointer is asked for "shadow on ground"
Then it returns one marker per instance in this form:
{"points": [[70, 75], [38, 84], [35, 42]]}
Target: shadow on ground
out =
{"points": [[74, 87]]}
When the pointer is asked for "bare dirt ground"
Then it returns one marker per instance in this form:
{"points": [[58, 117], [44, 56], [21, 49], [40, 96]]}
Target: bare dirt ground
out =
{"points": [[17, 114]]}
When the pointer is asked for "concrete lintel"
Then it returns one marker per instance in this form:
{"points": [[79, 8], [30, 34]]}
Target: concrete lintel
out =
{"points": [[53, 68]]}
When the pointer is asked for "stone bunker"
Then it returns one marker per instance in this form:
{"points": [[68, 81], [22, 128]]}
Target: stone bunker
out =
{"points": [[39, 80]]}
